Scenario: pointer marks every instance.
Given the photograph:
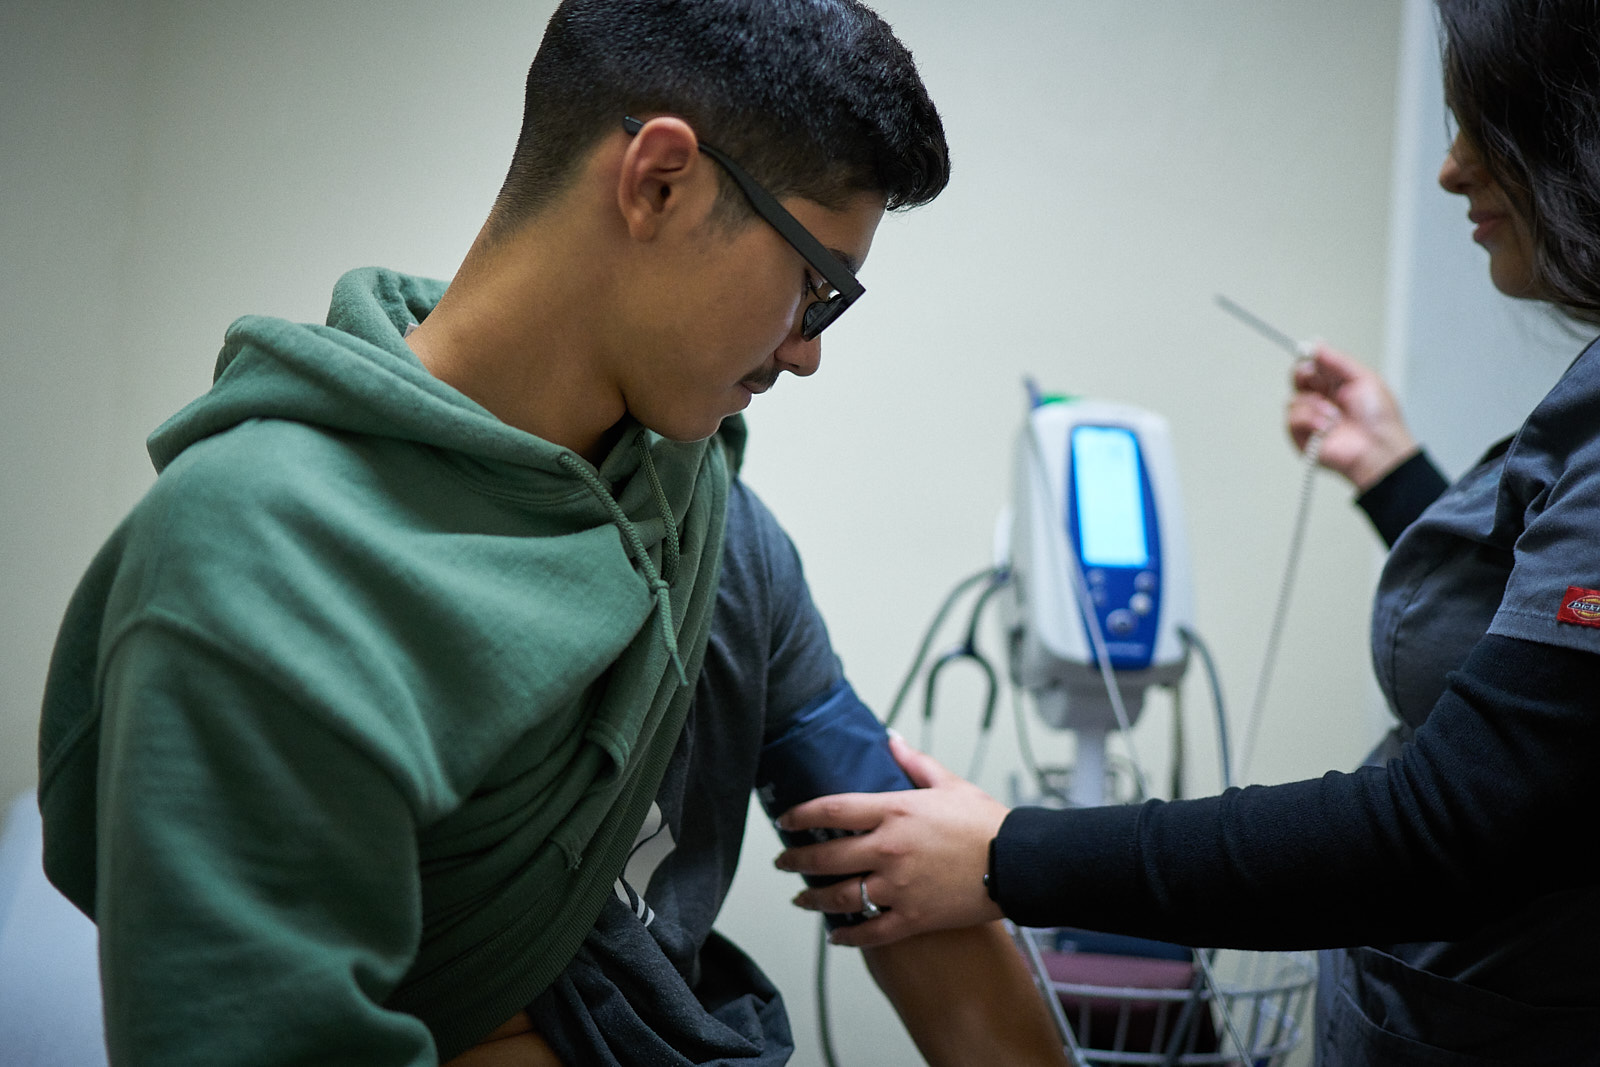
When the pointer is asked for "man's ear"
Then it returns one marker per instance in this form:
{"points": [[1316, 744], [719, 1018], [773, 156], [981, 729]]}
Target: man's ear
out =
{"points": [[662, 175]]}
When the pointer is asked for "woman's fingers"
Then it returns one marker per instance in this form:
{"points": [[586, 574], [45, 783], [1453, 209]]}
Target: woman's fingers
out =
{"points": [[923, 770], [883, 930], [1309, 413], [922, 853], [1328, 369], [841, 898], [842, 855], [844, 898], [842, 811]]}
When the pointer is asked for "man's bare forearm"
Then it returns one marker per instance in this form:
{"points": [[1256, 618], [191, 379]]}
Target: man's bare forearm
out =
{"points": [[967, 998]]}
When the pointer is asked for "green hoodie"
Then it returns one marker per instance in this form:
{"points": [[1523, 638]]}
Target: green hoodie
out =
{"points": [[353, 721]]}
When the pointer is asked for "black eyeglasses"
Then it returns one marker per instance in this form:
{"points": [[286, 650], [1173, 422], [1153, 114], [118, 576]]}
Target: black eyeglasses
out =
{"points": [[846, 288]]}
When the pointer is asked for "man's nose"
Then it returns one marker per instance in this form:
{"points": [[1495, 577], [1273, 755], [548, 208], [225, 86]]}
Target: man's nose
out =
{"points": [[799, 356]]}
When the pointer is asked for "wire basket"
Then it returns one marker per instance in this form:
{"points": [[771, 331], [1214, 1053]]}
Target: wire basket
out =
{"points": [[1172, 1009]]}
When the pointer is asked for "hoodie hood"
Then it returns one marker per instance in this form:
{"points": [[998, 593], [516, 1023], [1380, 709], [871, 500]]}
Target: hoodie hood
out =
{"points": [[355, 374]]}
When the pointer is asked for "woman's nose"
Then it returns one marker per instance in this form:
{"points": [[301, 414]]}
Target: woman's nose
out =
{"points": [[1455, 172]]}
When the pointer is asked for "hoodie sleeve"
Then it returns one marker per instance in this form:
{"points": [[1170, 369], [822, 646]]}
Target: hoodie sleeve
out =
{"points": [[258, 883]]}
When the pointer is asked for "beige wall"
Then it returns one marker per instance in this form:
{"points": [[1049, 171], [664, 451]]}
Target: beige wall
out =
{"points": [[170, 165]]}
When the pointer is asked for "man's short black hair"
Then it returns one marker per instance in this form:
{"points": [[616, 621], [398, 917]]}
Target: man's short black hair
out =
{"points": [[815, 98]]}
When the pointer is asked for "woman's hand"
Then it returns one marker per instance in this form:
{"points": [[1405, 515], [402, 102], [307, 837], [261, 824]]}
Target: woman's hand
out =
{"points": [[926, 851], [1366, 436]]}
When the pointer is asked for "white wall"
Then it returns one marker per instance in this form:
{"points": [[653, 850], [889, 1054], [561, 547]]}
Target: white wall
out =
{"points": [[170, 165], [67, 138]]}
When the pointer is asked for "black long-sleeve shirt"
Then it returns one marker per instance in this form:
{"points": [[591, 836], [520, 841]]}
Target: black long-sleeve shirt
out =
{"points": [[1489, 806]]}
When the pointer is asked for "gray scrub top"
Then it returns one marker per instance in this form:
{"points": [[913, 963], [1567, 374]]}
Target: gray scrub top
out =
{"points": [[1506, 550], [1499, 552]]}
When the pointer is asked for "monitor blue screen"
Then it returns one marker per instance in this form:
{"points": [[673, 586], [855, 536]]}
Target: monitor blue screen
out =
{"points": [[1109, 497]]}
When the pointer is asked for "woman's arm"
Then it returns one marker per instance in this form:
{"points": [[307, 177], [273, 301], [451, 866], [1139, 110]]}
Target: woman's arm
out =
{"points": [[1476, 815], [1400, 497]]}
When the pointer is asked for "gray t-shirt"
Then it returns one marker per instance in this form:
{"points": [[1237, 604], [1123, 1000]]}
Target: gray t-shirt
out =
{"points": [[653, 983]]}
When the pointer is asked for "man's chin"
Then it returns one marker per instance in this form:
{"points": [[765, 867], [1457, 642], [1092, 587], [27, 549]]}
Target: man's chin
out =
{"points": [[688, 435], [687, 428]]}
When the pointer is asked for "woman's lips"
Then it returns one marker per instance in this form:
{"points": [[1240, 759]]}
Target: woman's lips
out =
{"points": [[1487, 222]]}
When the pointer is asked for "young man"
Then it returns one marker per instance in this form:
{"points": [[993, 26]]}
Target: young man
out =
{"points": [[413, 714]]}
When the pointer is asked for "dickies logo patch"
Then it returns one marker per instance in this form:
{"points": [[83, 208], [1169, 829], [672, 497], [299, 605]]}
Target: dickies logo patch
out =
{"points": [[1581, 607]]}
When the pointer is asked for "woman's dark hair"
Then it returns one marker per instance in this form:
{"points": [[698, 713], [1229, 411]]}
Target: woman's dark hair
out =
{"points": [[815, 98], [1523, 80]]}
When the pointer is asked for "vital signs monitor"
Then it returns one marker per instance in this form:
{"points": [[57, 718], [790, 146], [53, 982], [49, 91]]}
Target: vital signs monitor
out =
{"points": [[1100, 582]]}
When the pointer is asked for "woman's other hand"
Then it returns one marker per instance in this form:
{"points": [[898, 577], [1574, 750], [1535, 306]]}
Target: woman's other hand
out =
{"points": [[926, 851], [1366, 435]]}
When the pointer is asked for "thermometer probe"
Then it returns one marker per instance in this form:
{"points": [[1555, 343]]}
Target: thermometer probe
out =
{"points": [[1298, 349]]}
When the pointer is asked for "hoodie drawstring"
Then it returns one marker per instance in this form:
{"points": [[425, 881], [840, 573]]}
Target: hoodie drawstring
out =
{"points": [[660, 587], [670, 551]]}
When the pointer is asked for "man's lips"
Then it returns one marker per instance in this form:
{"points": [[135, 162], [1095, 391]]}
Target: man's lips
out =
{"points": [[762, 381]]}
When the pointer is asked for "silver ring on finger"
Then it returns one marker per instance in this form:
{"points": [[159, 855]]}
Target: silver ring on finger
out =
{"points": [[869, 910]]}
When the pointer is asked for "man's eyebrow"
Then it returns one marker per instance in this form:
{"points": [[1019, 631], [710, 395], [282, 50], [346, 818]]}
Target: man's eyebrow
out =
{"points": [[847, 259]]}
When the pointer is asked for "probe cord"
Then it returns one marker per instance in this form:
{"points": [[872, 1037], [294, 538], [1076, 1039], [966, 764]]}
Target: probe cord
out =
{"points": [[1313, 453]]}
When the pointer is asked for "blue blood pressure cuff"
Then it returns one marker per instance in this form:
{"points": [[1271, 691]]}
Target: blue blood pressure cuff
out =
{"points": [[832, 745]]}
